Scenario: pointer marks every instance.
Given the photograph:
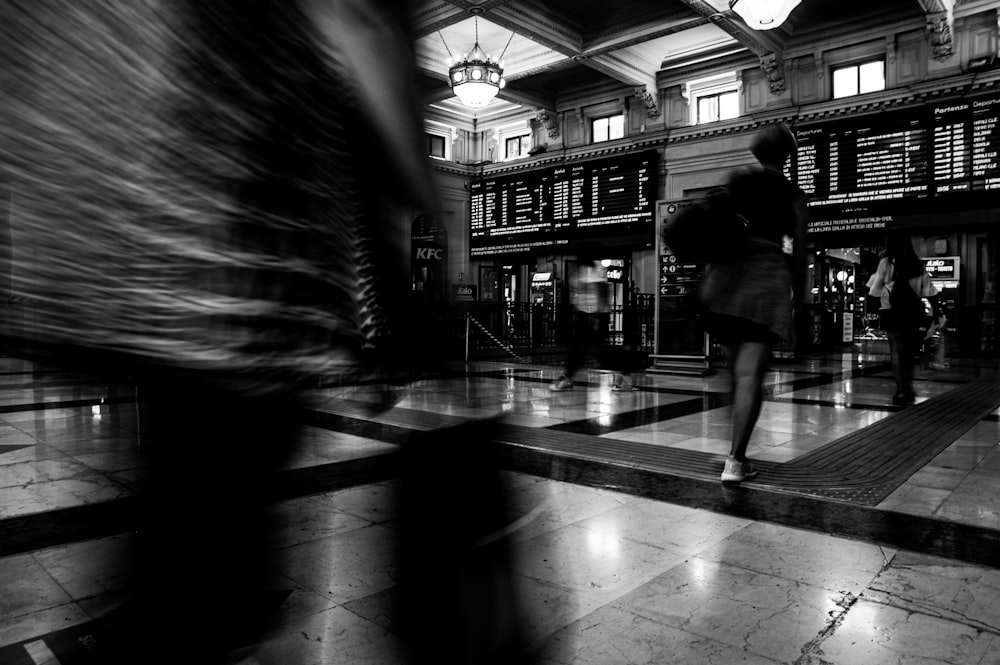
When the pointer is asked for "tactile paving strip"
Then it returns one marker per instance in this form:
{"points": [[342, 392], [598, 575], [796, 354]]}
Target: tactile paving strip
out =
{"points": [[863, 467]]}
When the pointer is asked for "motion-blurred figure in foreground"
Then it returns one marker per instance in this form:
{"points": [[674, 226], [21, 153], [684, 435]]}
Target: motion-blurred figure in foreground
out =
{"points": [[191, 187]]}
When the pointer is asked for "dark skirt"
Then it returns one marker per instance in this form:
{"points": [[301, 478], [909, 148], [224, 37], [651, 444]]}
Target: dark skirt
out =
{"points": [[749, 299]]}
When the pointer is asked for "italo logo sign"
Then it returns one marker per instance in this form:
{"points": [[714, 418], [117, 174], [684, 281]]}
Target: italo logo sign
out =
{"points": [[942, 268], [464, 292], [429, 254]]}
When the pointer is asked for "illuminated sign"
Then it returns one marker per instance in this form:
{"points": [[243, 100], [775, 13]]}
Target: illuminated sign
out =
{"points": [[564, 205], [464, 292], [931, 157], [942, 267]]}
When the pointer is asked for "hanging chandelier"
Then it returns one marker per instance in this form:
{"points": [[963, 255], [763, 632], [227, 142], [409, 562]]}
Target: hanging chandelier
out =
{"points": [[763, 14], [476, 78]]}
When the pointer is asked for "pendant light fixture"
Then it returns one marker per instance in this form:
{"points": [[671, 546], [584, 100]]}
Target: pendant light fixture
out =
{"points": [[476, 78], [763, 14]]}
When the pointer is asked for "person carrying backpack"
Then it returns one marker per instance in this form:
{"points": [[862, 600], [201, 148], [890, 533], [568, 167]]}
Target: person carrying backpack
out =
{"points": [[748, 299], [901, 283]]}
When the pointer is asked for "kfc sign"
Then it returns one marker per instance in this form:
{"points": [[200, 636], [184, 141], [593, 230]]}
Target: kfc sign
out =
{"points": [[429, 254]]}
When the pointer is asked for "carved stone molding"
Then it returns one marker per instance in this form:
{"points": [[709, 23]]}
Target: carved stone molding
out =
{"points": [[774, 71], [939, 32], [548, 120], [648, 100]]}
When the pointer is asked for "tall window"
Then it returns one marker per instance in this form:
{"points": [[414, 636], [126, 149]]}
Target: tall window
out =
{"points": [[859, 79], [713, 98], [517, 146], [719, 106], [608, 128], [435, 145]]}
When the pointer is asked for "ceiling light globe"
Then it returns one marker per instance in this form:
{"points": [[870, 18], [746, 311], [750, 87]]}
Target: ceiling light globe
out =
{"points": [[476, 94], [763, 14]]}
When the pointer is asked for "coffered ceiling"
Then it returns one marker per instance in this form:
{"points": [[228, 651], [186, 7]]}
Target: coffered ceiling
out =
{"points": [[554, 49]]}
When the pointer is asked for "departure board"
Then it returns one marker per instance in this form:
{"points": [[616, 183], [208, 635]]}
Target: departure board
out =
{"points": [[849, 162], [966, 145], [901, 161], [564, 205]]}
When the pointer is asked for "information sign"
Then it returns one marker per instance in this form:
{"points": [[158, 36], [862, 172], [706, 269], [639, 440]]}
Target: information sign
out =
{"points": [[564, 205]]}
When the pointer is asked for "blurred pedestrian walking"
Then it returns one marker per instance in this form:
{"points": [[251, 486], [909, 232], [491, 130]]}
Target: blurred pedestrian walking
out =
{"points": [[204, 199], [590, 302], [748, 302], [901, 284]]}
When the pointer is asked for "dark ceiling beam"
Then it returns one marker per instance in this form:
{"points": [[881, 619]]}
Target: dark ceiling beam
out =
{"points": [[528, 99], [757, 42], [430, 16], [525, 19], [642, 82], [622, 70], [641, 34]]}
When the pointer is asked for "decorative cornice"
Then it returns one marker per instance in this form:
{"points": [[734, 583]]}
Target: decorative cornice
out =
{"points": [[792, 116]]}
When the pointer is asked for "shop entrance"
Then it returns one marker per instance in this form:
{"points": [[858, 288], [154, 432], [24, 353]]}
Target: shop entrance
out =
{"points": [[838, 311], [505, 305]]}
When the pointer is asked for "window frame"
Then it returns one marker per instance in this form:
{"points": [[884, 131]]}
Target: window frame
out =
{"points": [[606, 119], [432, 138], [856, 66], [718, 115], [712, 86], [523, 142]]}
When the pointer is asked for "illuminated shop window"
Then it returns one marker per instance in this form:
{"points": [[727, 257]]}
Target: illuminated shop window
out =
{"points": [[859, 79], [517, 146], [608, 128]]}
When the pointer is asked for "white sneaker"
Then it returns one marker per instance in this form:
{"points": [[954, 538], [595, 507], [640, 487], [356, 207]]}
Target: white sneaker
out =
{"points": [[562, 384], [736, 471]]}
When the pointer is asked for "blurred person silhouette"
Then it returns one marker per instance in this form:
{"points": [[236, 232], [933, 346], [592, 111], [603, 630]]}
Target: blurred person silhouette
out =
{"points": [[204, 199], [748, 303], [901, 283], [590, 318]]}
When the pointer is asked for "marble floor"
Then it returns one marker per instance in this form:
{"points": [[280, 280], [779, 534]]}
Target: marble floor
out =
{"points": [[606, 573]]}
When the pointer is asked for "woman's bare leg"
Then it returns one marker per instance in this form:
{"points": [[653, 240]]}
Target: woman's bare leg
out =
{"points": [[748, 363]]}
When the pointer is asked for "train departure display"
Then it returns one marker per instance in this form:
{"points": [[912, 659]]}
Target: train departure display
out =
{"points": [[564, 205], [913, 159]]}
